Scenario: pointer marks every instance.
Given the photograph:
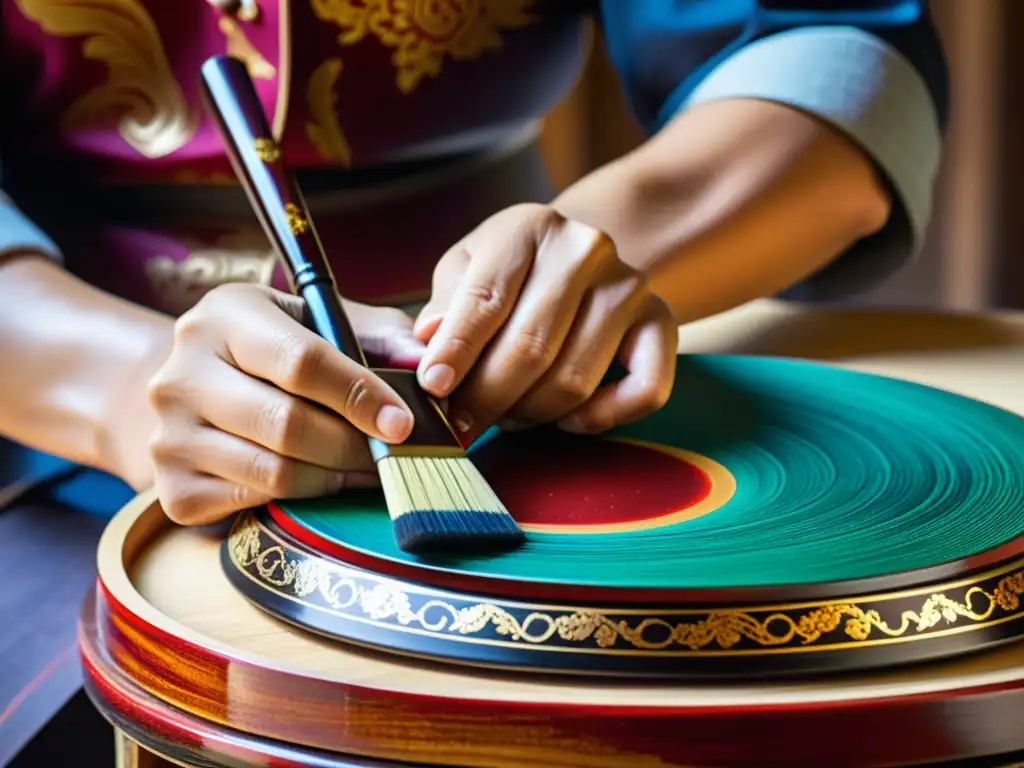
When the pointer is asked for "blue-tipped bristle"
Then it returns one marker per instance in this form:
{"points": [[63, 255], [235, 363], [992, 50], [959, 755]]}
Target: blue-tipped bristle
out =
{"points": [[433, 529], [444, 503]]}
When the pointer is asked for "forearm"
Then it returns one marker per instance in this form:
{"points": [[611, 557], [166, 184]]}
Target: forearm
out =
{"points": [[75, 365], [732, 201]]}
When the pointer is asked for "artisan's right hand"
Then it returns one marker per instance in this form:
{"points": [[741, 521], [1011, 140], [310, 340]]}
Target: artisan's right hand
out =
{"points": [[252, 406]]}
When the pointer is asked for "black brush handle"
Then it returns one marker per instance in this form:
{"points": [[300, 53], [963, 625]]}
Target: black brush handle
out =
{"points": [[281, 208], [275, 196]]}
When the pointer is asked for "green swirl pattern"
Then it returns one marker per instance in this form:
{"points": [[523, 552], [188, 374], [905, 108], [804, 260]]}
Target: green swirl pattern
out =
{"points": [[840, 475]]}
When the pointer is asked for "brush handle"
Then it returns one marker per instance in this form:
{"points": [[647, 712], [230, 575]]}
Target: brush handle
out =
{"points": [[275, 196]]}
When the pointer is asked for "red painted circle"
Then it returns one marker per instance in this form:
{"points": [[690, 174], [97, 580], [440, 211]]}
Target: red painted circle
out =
{"points": [[569, 480]]}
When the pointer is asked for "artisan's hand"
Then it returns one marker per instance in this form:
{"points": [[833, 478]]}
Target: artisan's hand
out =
{"points": [[527, 315], [252, 406]]}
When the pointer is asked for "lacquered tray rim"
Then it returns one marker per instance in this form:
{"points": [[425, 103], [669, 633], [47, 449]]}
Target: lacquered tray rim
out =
{"points": [[793, 718], [732, 641], [103, 683], [119, 590]]}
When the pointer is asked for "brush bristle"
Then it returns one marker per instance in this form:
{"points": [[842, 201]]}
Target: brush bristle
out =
{"points": [[444, 503]]}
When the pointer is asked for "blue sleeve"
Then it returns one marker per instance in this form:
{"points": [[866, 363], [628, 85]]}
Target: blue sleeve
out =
{"points": [[873, 69]]}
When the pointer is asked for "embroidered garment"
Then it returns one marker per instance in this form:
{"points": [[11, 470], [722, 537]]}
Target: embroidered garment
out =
{"points": [[410, 122]]}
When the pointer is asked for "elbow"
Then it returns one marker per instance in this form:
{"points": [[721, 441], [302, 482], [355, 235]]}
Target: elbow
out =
{"points": [[885, 99]]}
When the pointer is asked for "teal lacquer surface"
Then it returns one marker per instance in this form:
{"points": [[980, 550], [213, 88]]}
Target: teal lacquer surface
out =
{"points": [[840, 475]]}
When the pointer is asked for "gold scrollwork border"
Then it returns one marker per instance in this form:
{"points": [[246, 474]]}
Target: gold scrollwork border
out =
{"points": [[973, 604]]}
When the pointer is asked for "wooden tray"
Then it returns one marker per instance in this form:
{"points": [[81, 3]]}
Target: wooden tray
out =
{"points": [[171, 624]]}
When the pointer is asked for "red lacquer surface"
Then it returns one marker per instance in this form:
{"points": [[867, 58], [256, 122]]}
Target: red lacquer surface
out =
{"points": [[573, 481], [287, 705], [564, 484], [174, 733]]}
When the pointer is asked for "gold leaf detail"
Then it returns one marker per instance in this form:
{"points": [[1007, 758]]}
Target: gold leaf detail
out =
{"points": [[245, 543], [240, 47], [324, 130], [296, 221], [141, 96], [385, 601], [1008, 592], [422, 33], [266, 150]]}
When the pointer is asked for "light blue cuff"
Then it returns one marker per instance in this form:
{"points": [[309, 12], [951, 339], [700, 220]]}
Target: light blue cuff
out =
{"points": [[19, 233], [855, 81]]}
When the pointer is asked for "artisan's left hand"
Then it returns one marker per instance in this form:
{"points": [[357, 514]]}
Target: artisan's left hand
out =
{"points": [[528, 313]]}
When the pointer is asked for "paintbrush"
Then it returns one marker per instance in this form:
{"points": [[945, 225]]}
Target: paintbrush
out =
{"points": [[435, 495]]}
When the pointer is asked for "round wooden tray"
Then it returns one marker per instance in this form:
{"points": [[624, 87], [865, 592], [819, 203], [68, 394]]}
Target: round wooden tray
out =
{"points": [[171, 623]]}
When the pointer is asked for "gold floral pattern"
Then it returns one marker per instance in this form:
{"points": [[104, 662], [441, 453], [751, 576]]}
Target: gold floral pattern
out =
{"points": [[240, 47], [267, 150], [324, 130], [141, 95], [297, 223], [936, 609], [1007, 594], [353, 593], [422, 33]]}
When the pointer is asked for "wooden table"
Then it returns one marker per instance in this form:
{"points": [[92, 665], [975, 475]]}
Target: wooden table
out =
{"points": [[186, 669]]}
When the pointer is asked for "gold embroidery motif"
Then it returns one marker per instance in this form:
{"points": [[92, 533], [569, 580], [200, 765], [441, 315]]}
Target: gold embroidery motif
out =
{"points": [[324, 130], [423, 32], [267, 150], [141, 96], [240, 47], [178, 285], [296, 221], [363, 595]]}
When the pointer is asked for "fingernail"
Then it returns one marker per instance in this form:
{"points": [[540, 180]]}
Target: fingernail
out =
{"points": [[462, 422], [572, 424], [394, 423], [439, 379]]}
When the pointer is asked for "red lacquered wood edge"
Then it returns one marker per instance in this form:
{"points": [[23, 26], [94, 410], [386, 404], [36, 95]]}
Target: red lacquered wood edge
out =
{"points": [[340, 717], [177, 735], [538, 590]]}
